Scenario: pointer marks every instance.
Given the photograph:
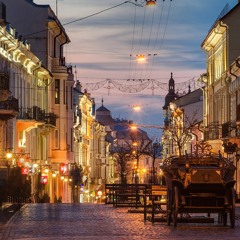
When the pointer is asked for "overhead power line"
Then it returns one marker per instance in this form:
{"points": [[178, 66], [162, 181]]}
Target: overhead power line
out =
{"points": [[89, 16]]}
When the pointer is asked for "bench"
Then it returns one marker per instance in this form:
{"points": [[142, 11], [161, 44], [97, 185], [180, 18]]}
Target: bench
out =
{"points": [[125, 195], [157, 198]]}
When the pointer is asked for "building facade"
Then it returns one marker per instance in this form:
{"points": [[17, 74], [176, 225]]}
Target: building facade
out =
{"points": [[221, 50], [183, 121], [221, 96], [47, 38], [25, 113]]}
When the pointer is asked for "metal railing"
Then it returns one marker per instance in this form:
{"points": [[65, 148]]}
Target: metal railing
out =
{"points": [[37, 114], [10, 104]]}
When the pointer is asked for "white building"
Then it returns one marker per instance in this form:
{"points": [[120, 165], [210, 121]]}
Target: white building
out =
{"points": [[39, 26]]}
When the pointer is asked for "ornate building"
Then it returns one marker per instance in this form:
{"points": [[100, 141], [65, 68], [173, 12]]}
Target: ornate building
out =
{"points": [[47, 38], [24, 111], [183, 121], [171, 96], [221, 49], [221, 97]]}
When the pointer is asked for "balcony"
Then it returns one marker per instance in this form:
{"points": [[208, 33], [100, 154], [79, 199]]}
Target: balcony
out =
{"points": [[4, 86], [58, 66], [36, 114], [212, 132], [226, 130], [50, 119], [9, 108], [230, 130]]}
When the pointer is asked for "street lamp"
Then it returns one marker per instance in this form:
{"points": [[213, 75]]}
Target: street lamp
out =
{"points": [[136, 108], [9, 155], [141, 58], [156, 148], [151, 3]]}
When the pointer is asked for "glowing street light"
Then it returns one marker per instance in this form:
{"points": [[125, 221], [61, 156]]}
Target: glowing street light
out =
{"points": [[141, 58], [136, 107], [151, 3], [135, 144], [134, 127], [9, 155]]}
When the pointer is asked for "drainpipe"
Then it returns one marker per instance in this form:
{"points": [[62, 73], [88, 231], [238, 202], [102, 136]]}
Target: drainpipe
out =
{"points": [[55, 40], [61, 50], [205, 98], [226, 27], [226, 79]]}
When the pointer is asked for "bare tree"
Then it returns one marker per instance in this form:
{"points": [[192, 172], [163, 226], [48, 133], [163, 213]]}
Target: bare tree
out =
{"points": [[140, 144], [181, 127], [128, 150], [122, 156]]}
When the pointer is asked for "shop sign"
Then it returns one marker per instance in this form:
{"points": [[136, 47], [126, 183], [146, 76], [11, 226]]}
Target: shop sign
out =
{"points": [[44, 180]]}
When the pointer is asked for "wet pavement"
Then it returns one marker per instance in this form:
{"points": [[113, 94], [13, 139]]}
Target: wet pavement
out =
{"points": [[103, 222]]}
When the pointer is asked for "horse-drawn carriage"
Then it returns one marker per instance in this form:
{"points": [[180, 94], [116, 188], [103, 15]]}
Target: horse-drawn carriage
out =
{"points": [[200, 184]]}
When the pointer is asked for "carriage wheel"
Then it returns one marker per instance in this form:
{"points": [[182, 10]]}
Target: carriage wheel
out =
{"points": [[169, 207], [175, 206], [232, 210]]}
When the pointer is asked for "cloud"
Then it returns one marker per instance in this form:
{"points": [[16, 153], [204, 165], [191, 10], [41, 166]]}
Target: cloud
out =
{"points": [[101, 46]]}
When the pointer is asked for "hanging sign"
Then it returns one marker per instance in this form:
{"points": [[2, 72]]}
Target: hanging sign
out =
{"points": [[25, 171], [44, 180]]}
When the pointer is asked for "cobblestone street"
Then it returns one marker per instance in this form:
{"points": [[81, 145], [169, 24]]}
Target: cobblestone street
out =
{"points": [[98, 221]]}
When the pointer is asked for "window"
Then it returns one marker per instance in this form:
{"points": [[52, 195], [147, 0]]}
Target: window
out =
{"points": [[56, 139], [238, 113], [57, 91], [71, 98], [64, 92]]}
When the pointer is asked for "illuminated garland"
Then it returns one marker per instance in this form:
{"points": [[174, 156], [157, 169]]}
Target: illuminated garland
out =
{"points": [[139, 86]]}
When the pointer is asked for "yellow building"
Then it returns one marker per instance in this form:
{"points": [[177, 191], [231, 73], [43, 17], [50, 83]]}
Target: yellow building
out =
{"points": [[83, 124], [91, 148], [221, 49], [222, 86]]}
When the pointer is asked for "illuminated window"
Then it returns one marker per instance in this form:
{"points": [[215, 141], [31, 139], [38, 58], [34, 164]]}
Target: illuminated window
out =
{"points": [[57, 91]]}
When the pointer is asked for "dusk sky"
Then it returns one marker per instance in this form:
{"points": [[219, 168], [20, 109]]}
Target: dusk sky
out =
{"points": [[108, 35]]}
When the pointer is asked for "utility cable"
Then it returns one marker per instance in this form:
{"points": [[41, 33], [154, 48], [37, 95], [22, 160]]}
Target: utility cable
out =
{"points": [[133, 39], [149, 40], [91, 15], [164, 32]]}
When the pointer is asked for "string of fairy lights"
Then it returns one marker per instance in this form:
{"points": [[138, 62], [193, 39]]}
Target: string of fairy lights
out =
{"points": [[140, 85]]}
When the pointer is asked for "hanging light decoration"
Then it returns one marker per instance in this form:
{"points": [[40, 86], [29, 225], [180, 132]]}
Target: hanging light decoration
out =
{"points": [[151, 3], [136, 107], [141, 58]]}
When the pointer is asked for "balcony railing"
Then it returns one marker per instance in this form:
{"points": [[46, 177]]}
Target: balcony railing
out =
{"points": [[226, 129], [4, 86], [50, 118], [9, 108], [212, 132], [4, 81], [37, 114], [230, 129]]}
